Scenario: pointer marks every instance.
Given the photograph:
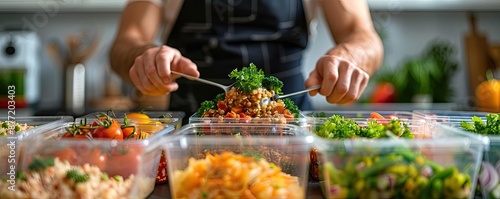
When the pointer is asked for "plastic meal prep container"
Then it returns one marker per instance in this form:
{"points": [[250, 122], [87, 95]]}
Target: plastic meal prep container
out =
{"points": [[490, 187], [445, 166], [283, 145], [9, 150], [114, 168], [316, 118], [301, 120], [164, 118]]}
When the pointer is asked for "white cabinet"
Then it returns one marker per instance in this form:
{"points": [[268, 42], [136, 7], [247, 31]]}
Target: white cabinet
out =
{"points": [[434, 5], [62, 5]]}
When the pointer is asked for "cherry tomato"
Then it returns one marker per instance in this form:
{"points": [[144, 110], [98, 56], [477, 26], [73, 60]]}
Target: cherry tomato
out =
{"points": [[76, 136], [91, 155], [222, 105], [124, 160], [107, 128], [131, 132], [67, 154]]}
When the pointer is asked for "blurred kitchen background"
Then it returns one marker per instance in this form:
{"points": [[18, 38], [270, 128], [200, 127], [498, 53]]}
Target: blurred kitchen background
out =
{"points": [[62, 67]]}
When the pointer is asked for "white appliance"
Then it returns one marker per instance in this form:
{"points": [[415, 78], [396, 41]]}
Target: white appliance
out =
{"points": [[20, 53]]}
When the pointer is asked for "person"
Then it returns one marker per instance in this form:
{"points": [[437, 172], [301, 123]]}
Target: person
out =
{"points": [[213, 37]]}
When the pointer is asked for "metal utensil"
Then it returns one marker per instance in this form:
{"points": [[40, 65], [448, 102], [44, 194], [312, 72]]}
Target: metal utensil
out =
{"points": [[223, 87], [266, 101]]}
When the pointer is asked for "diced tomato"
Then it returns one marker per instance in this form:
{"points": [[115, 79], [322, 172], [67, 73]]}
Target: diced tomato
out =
{"points": [[222, 105], [237, 110], [280, 109], [376, 115], [230, 115]]}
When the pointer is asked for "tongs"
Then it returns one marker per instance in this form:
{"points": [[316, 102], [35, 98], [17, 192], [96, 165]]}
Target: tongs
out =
{"points": [[223, 87]]}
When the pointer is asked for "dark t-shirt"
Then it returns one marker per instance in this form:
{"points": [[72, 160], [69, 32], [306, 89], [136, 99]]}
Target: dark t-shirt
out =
{"points": [[221, 35]]}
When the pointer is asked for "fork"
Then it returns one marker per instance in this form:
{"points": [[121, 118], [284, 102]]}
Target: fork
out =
{"points": [[275, 97], [193, 78]]}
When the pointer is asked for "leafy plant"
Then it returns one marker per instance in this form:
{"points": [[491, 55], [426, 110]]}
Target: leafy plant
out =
{"points": [[431, 73]]}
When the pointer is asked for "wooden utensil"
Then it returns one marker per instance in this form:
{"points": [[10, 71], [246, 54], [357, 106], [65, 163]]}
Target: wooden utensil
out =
{"points": [[477, 55]]}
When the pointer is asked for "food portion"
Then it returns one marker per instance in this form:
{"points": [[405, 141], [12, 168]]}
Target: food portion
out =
{"points": [[229, 175], [477, 125], [338, 127], [12, 127], [489, 176], [250, 97], [365, 170], [53, 178], [394, 172]]}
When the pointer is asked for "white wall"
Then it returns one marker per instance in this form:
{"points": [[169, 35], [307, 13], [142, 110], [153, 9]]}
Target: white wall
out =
{"points": [[408, 34]]}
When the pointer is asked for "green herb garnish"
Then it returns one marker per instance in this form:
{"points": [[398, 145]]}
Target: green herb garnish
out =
{"points": [[290, 105], [272, 83], [248, 79], [490, 127], [205, 106], [77, 176], [41, 164], [20, 176]]}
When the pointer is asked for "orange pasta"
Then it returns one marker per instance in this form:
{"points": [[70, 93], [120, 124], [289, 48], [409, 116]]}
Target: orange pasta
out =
{"points": [[230, 175]]}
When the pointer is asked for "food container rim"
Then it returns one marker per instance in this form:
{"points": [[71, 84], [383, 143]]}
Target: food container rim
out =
{"points": [[177, 115], [51, 122], [463, 139], [148, 143]]}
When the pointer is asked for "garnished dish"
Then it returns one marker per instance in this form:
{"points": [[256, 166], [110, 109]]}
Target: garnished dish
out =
{"points": [[489, 175], [11, 126], [250, 97], [229, 175], [53, 178]]}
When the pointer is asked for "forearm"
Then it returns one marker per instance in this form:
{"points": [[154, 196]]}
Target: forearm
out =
{"points": [[364, 49], [123, 54]]}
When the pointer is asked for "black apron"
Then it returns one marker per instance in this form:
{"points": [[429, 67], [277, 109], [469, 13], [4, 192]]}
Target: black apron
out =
{"points": [[221, 35]]}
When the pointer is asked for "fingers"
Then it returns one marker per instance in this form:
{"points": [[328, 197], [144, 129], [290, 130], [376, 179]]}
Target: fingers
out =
{"points": [[151, 71], [341, 81]]}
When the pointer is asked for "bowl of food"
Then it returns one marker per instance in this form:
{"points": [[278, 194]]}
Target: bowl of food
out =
{"points": [[60, 164], [13, 130], [146, 120], [250, 100], [210, 160], [480, 124], [375, 161]]}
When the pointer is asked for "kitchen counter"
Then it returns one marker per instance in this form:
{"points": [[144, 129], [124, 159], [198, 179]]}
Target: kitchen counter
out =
{"points": [[162, 191]]}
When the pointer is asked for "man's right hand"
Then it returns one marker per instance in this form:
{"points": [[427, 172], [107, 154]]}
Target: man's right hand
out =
{"points": [[150, 72]]}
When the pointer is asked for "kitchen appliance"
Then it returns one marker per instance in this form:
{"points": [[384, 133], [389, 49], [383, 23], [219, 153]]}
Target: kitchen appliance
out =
{"points": [[19, 67]]}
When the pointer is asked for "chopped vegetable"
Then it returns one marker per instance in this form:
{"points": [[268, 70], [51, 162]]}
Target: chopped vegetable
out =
{"points": [[77, 176], [272, 83], [205, 106], [248, 79], [41, 164], [490, 127]]}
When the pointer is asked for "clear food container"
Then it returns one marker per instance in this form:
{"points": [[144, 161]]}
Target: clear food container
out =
{"points": [[301, 120], [164, 118], [489, 176], [26, 127], [56, 167], [259, 160], [445, 166], [145, 117], [361, 118]]}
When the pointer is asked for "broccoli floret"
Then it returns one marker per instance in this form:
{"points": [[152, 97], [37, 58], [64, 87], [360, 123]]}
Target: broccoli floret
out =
{"points": [[490, 127], [290, 105], [205, 106], [336, 127], [248, 79], [272, 83]]}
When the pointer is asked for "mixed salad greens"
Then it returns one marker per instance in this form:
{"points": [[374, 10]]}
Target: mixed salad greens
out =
{"points": [[489, 176]]}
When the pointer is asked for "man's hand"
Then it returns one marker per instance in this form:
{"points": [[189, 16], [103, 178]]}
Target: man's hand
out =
{"points": [[341, 81], [150, 72]]}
